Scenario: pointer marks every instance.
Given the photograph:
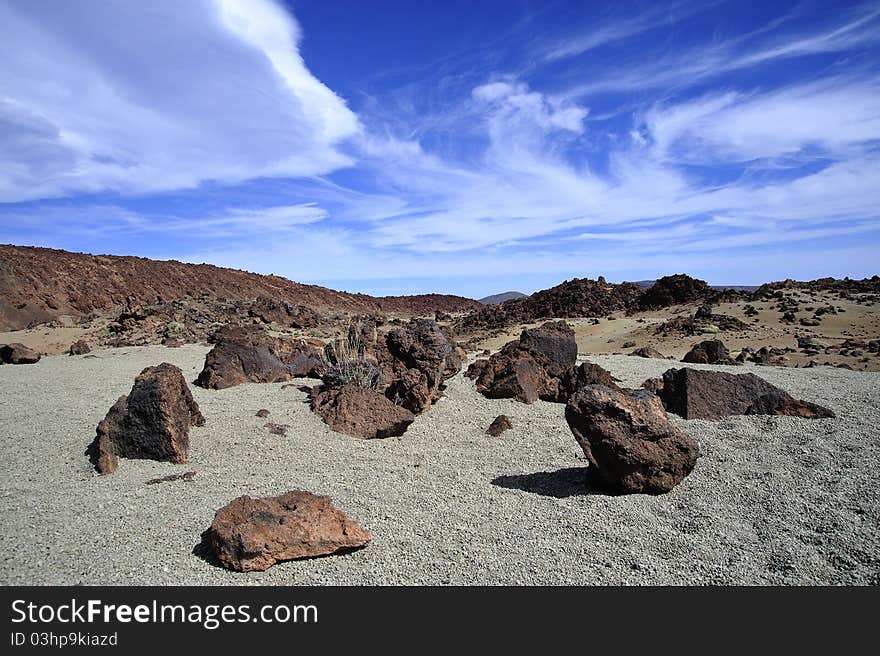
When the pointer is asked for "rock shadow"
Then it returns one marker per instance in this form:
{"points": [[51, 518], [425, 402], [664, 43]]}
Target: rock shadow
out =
{"points": [[563, 483]]}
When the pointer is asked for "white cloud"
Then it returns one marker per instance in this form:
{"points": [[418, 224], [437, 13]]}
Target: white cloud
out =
{"points": [[830, 117], [118, 98]]}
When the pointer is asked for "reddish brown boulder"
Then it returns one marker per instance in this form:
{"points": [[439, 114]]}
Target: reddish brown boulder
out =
{"points": [[18, 354], [251, 355], [416, 360], [586, 373], [253, 534], [151, 422], [530, 368], [476, 368], [500, 424], [79, 347], [701, 394], [628, 439], [710, 351], [360, 412]]}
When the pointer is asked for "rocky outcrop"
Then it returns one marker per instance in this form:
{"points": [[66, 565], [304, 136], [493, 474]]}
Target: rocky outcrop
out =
{"points": [[251, 534], [250, 355], [79, 347], [152, 421], [500, 424], [579, 297], [18, 354], [674, 290], [360, 412], [710, 351], [628, 440], [701, 394]]}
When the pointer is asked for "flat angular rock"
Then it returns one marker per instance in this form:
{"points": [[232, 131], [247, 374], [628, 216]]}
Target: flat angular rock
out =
{"points": [[700, 394], [250, 355], [251, 534], [500, 424], [628, 439], [360, 412], [18, 354], [553, 345], [151, 422], [648, 352]]}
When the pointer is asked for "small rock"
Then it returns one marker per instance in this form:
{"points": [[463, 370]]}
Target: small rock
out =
{"points": [[277, 429], [18, 354], [500, 424]]}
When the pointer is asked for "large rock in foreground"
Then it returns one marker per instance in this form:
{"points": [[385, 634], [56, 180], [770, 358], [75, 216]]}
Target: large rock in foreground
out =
{"points": [[18, 354], [628, 439], [251, 355], [253, 534], [151, 422], [700, 394], [360, 412]]}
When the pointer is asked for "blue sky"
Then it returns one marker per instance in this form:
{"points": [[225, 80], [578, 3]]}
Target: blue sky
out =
{"points": [[461, 147]]}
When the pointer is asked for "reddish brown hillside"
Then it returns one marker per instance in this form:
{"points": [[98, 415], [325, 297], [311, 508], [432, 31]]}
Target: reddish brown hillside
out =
{"points": [[39, 284]]}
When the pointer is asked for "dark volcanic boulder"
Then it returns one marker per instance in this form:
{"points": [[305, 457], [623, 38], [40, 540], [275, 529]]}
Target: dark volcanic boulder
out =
{"points": [[360, 412], [648, 352], [700, 394], [500, 424], [79, 347], [251, 355], [417, 358], [586, 373], [710, 351], [253, 534], [530, 368], [628, 439], [151, 422], [780, 403], [553, 345], [18, 354], [515, 374]]}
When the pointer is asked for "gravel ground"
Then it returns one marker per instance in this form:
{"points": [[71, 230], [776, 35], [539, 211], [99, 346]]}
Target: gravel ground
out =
{"points": [[772, 500]]}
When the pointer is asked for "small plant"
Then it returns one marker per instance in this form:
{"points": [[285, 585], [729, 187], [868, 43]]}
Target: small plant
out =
{"points": [[349, 365], [628, 344]]}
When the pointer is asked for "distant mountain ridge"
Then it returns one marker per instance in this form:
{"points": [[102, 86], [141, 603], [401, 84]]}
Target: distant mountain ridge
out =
{"points": [[495, 299], [40, 284]]}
